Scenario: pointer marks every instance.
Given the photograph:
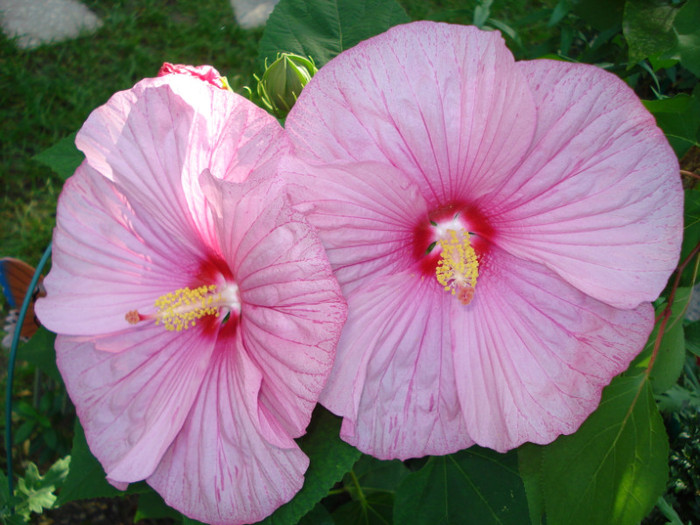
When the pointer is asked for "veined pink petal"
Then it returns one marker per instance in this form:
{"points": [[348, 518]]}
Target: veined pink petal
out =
{"points": [[393, 380], [155, 139], [444, 104], [598, 198], [107, 259], [532, 353], [364, 211], [220, 469], [132, 403], [293, 310]]}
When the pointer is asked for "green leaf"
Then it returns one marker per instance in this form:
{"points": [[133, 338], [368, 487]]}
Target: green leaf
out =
{"points": [[321, 29], [679, 118], [614, 468], [35, 491], [530, 467], [472, 486], [601, 14], [86, 478], [648, 28], [63, 157], [687, 25], [671, 355], [40, 352], [372, 485], [692, 338], [330, 459], [152, 506], [691, 232], [318, 516]]}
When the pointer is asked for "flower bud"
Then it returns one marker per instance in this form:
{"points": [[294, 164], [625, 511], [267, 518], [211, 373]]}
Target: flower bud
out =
{"points": [[283, 80]]}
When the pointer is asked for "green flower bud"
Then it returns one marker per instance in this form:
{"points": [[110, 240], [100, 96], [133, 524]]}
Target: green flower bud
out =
{"points": [[283, 81]]}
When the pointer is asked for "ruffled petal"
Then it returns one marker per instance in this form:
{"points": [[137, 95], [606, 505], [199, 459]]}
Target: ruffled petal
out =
{"points": [[107, 260], [132, 403], [532, 353], [155, 139], [220, 469], [292, 308], [393, 380], [598, 198], [364, 212], [445, 104]]}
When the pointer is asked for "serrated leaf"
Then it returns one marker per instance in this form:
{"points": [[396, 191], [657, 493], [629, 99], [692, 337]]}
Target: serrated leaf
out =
{"points": [[614, 468], [679, 118], [36, 492], [321, 29], [472, 486], [687, 26], [330, 459], [86, 478], [40, 352], [319, 515], [63, 157], [648, 28]]}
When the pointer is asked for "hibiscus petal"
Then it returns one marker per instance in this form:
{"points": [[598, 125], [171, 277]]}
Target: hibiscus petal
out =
{"points": [[220, 470], [364, 212], [598, 198], [155, 139], [107, 260], [532, 353], [393, 380], [292, 308], [133, 402], [445, 104]]}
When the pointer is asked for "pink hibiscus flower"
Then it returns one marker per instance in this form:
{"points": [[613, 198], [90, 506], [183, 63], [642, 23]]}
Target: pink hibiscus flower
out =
{"points": [[197, 312], [498, 229]]}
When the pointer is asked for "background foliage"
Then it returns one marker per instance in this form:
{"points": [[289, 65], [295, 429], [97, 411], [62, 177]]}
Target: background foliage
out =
{"points": [[636, 458]]}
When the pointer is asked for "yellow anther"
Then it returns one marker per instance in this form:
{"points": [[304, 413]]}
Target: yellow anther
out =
{"points": [[180, 309], [458, 267]]}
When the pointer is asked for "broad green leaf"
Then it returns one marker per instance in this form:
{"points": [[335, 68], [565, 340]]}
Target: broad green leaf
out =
{"points": [[472, 486], [321, 29], [671, 355], [63, 157], [648, 28], [614, 468], [40, 352], [319, 515], [152, 506], [679, 118], [330, 459], [530, 468], [372, 485], [687, 25], [86, 478]]}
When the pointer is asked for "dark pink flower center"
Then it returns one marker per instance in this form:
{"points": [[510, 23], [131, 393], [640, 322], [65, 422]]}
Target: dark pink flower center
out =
{"points": [[213, 300], [450, 244]]}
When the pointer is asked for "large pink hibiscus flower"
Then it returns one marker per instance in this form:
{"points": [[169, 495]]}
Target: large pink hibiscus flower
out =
{"points": [[498, 229], [197, 312]]}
